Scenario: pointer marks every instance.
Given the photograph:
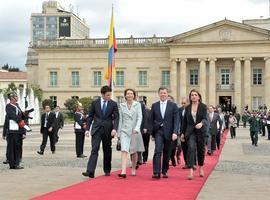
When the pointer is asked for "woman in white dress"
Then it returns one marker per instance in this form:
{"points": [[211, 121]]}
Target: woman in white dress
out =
{"points": [[129, 130]]}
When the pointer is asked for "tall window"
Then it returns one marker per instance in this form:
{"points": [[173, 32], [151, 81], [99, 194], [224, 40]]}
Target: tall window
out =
{"points": [[257, 76], [225, 76], [97, 78], [120, 99], [75, 78], [257, 101], [165, 78], [54, 100], [142, 78], [193, 77], [120, 80], [53, 79]]}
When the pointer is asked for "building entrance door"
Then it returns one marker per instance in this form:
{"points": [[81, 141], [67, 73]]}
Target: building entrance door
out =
{"points": [[225, 102]]}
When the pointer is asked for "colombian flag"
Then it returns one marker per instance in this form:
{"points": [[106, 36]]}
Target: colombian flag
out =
{"points": [[110, 72]]}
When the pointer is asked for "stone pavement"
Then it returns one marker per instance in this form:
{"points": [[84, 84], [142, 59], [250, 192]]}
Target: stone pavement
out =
{"points": [[242, 173]]}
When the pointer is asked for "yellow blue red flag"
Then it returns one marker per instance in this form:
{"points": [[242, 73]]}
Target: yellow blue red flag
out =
{"points": [[110, 72]]}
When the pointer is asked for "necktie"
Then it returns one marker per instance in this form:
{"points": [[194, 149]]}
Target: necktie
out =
{"points": [[104, 107]]}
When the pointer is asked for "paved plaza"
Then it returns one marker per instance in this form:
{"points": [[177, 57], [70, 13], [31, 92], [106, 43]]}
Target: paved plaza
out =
{"points": [[243, 171]]}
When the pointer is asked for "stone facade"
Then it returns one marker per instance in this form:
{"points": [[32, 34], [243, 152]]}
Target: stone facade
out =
{"points": [[227, 61]]}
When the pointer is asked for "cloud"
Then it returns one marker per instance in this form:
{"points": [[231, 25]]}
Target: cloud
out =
{"points": [[138, 18]]}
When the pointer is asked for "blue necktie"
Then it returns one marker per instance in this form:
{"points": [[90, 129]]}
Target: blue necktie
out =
{"points": [[104, 107]]}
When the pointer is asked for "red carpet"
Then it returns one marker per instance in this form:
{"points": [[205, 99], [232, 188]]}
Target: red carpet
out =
{"points": [[140, 187]]}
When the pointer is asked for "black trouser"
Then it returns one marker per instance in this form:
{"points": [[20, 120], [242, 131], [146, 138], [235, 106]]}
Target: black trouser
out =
{"points": [[244, 124], [79, 142], [45, 136], [146, 139], [238, 123], [184, 149], [196, 144], [56, 135], [13, 149], [263, 130], [268, 130], [106, 139], [7, 149], [162, 148], [173, 152], [218, 139], [21, 146], [233, 132], [254, 137]]}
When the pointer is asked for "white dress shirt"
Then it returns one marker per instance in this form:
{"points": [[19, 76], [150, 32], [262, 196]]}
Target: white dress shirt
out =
{"points": [[163, 105]]}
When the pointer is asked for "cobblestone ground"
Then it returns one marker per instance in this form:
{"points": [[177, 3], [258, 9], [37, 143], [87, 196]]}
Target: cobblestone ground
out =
{"points": [[243, 171], [49, 172]]}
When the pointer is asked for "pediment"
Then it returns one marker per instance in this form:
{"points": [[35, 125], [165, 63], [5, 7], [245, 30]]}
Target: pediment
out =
{"points": [[224, 30]]}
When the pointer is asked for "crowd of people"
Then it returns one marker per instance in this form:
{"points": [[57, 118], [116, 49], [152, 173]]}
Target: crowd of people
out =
{"points": [[193, 129]]}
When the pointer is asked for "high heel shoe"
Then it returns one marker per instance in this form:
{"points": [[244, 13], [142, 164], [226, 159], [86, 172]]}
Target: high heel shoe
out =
{"points": [[201, 174], [122, 175], [190, 177]]}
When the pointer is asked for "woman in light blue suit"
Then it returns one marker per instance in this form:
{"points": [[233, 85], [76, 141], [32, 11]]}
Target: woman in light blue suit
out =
{"points": [[129, 131]]}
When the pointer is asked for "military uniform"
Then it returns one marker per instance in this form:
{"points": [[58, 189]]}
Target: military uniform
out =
{"points": [[79, 124], [254, 129]]}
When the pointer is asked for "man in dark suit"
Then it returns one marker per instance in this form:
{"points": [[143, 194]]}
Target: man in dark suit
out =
{"points": [[184, 145], [46, 129], [59, 122], [146, 132], [165, 127], [105, 117], [215, 125]]}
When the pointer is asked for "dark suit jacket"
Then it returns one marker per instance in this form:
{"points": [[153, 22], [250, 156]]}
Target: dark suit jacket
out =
{"points": [[50, 121], [143, 117], [5, 127], [147, 120], [181, 117], [213, 129], [12, 115], [80, 119], [170, 123], [189, 124], [109, 121], [59, 120]]}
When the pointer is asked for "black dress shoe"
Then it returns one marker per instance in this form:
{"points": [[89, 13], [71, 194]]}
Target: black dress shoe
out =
{"points": [[165, 175], [209, 153], [40, 152], [107, 174], [81, 156], [90, 175], [18, 167], [156, 176], [6, 162], [53, 152], [122, 175], [185, 167]]}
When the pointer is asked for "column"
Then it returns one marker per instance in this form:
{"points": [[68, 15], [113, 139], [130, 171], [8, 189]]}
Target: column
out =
{"points": [[183, 78], [267, 82], [203, 79], [173, 77], [247, 82], [212, 81], [237, 84]]}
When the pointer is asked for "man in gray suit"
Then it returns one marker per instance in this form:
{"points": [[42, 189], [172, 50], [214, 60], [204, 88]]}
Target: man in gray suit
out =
{"points": [[215, 125]]}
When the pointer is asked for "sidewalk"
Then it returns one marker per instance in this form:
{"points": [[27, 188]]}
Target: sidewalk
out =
{"points": [[243, 171]]}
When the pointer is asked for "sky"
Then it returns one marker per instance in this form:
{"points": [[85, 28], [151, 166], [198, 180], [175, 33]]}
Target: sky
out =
{"points": [[139, 18]]}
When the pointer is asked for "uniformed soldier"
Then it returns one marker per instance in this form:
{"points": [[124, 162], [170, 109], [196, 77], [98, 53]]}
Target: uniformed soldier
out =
{"points": [[79, 128], [254, 123], [15, 130], [5, 137]]}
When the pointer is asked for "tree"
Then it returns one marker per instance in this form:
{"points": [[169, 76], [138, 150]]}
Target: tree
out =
{"points": [[10, 68], [71, 104], [47, 102], [37, 91], [86, 103], [11, 87]]}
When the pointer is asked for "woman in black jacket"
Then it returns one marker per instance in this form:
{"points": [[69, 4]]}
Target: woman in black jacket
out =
{"points": [[194, 130]]}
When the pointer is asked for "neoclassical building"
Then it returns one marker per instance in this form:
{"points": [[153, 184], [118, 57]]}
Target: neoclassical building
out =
{"points": [[227, 61]]}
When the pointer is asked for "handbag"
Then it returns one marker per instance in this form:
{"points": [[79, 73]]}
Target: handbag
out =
{"points": [[118, 145]]}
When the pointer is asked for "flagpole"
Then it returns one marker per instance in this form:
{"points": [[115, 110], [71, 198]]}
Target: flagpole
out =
{"points": [[112, 84]]}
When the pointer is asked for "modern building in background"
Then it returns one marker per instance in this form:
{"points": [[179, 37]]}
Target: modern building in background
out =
{"points": [[226, 61], [55, 22]]}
